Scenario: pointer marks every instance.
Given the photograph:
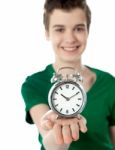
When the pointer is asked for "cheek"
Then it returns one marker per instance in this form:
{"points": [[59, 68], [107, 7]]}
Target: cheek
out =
{"points": [[82, 37], [56, 40], [83, 40]]}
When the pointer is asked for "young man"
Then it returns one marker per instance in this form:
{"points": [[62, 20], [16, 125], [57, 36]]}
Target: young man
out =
{"points": [[67, 25]]}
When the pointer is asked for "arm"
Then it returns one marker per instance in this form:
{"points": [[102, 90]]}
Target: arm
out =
{"points": [[48, 136], [112, 134], [57, 133]]}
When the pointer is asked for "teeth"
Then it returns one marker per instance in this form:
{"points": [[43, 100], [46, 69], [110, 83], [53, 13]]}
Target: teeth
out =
{"points": [[70, 48]]}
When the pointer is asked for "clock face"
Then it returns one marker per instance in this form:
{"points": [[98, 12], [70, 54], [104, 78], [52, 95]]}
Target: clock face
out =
{"points": [[67, 98]]}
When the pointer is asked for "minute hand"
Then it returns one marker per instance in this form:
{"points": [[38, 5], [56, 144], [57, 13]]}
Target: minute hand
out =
{"points": [[73, 95]]}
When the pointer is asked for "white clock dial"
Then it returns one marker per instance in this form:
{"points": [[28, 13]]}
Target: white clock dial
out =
{"points": [[67, 98]]}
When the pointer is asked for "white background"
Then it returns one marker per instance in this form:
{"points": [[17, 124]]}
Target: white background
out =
{"points": [[24, 50]]}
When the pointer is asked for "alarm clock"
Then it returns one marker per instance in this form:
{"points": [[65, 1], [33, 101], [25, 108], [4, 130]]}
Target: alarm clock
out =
{"points": [[67, 96]]}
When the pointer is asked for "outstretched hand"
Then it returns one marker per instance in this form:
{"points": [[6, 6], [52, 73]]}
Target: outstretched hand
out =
{"points": [[65, 130]]}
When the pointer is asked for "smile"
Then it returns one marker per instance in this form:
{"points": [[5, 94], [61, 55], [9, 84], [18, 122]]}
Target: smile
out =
{"points": [[70, 49]]}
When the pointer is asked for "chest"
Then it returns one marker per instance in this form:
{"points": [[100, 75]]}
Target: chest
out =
{"points": [[97, 111]]}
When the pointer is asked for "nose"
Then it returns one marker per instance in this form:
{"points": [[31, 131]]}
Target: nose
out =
{"points": [[70, 37]]}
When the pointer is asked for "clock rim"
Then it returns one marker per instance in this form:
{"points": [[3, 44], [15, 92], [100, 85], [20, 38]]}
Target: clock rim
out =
{"points": [[55, 86]]}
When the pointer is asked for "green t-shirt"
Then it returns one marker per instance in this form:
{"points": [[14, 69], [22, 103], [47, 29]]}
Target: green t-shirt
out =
{"points": [[99, 110]]}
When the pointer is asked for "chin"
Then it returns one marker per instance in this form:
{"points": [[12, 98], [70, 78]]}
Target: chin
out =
{"points": [[71, 60]]}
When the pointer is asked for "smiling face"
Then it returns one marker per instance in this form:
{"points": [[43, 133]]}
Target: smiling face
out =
{"points": [[68, 35]]}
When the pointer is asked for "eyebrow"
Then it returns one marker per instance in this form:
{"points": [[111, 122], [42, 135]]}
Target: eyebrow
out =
{"points": [[80, 25], [77, 25], [58, 25]]}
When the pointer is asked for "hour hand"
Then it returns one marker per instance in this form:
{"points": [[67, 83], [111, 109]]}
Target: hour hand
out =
{"points": [[67, 98]]}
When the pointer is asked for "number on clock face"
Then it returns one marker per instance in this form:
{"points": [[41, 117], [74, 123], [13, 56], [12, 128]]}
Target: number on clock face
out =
{"points": [[67, 98]]}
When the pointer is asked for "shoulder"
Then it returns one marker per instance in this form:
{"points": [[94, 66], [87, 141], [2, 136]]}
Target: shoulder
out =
{"points": [[104, 79], [103, 75], [38, 79], [42, 75]]}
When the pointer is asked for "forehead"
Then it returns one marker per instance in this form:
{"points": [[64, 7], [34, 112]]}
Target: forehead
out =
{"points": [[75, 16]]}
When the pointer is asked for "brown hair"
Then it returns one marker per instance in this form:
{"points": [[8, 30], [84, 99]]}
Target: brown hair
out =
{"points": [[66, 5]]}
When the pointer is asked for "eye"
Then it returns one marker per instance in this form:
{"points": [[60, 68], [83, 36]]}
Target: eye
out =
{"points": [[61, 30], [79, 29]]}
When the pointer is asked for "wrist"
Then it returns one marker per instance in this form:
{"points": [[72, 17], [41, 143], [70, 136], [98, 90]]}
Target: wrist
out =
{"points": [[50, 143]]}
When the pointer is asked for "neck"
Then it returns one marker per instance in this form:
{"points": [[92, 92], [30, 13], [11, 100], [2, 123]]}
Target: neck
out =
{"points": [[77, 66]]}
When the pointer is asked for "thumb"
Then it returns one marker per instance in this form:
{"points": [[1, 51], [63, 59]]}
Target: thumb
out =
{"points": [[50, 115], [46, 125]]}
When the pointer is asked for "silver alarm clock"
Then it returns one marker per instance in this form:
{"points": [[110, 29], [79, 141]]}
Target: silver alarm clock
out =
{"points": [[67, 97]]}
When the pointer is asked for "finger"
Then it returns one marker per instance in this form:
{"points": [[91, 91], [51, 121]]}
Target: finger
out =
{"points": [[47, 124], [82, 123], [66, 134], [64, 121], [74, 131], [50, 115], [58, 134], [79, 117]]}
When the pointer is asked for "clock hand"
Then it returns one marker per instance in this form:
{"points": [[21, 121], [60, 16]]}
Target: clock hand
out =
{"points": [[73, 95], [67, 98]]}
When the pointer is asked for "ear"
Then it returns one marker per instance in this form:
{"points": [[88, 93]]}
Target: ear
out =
{"points": [[47, 35]]}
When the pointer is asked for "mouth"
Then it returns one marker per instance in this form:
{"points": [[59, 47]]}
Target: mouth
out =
{"points": [[71, 49]]}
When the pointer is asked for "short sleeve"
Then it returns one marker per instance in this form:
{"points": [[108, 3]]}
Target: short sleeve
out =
{"points": [[112, 106], [31, 96], [112, 116]]}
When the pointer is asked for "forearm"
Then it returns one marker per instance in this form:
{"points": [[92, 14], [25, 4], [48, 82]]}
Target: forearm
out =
{"points": [[112, 135], [57, 133], [50, 143], [48, 136]]}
